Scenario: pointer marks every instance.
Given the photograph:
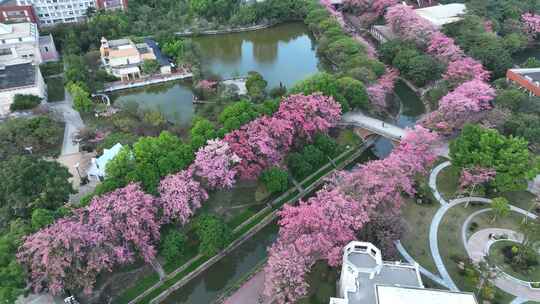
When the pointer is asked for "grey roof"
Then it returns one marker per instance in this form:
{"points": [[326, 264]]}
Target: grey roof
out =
{"points": [[535, 76], [161, 58], [17, 75], [118, 42], [391, 274], [45, 39]]}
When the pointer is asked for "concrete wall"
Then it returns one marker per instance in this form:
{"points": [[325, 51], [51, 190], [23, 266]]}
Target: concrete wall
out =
{"points": [[6, 96]]}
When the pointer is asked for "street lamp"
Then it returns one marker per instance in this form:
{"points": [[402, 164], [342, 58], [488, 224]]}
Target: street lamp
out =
{"points": [[78, 172]]}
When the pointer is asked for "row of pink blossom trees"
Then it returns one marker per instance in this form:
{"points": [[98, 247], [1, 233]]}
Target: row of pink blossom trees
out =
{"points": [[471, 94], [123, 225], [319, 228]]}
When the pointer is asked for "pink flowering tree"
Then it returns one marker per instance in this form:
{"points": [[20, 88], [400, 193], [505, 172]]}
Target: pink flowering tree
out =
{"points": [[532, 24], [368, 10], [465, 69], [444, 48], [310, 114], [128, 218], [408, 25], [384, 86], [461, 106], [314, 230], [319, 228], [214, 163], [260, 144], [181, 196], [66, 255], [473, 177]]}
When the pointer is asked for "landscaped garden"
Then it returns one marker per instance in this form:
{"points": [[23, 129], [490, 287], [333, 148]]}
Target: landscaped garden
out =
{"points": [[508, 257]]}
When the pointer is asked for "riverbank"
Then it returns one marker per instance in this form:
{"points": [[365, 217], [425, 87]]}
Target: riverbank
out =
{"points": [[227, 31], [117, 86]]}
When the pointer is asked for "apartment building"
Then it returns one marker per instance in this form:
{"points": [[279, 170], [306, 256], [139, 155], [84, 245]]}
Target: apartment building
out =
{"points": [[50, 12], [16, 13]]}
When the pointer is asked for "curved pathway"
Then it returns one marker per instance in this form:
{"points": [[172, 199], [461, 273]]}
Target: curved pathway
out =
{"points": [[437, 219], [424, 271]]}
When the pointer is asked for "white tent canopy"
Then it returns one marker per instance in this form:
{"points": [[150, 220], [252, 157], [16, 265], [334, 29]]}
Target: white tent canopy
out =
{"points": [[97, 169], [440, 15]]}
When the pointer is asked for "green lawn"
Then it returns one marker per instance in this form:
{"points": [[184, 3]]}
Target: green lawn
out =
{"points": [[448, 182], [55, 89], [496, 256], [416, 239]]}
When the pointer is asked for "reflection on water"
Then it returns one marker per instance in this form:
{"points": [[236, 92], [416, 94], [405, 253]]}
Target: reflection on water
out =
{"points": [[520, 57], [173, 99], [411, 108], [284, 53], [206, 287]]}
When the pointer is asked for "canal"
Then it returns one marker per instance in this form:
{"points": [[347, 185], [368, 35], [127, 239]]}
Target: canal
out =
{"points": [[209, 285]]}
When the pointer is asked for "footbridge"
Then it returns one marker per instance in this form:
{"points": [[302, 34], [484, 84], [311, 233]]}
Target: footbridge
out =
{"points": [[373, 125]]}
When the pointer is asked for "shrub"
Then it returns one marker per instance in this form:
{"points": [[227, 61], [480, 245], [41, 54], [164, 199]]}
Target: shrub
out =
{"points": [[213, 234], [24, 102], [275, 179], [172, 246]]}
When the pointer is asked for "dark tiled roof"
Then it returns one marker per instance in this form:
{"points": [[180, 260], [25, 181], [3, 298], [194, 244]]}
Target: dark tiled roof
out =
{"points": [[18, 75], [161, 58]]}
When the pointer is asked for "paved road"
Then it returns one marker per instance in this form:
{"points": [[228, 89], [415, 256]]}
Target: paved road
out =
{"points": [[73, 122]]}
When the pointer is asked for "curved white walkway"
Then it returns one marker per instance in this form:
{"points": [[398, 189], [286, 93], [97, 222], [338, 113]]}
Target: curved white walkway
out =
{"points": [[435, 278], [436, 221]]}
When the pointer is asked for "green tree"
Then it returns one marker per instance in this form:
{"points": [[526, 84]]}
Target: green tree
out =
{"points": [[213, 234], [41, 218], [526, 126], [327, 145], [515, 42], [531, 63], [354, 92], [299, 167], [324, 83], [237, 114], [422, 69], [81, 98], [172, 246], [256, 86], [511, 98], [12, 275], [150, 66], [500, 208], [30, 183], [276, 180], [201, 132], [41, 133], [508, 156]]}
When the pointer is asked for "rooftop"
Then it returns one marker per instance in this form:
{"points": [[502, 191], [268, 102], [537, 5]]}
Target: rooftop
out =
{"points": [[160, 57], [404, 295], [398, 274], [17, 75], [440, 15], [17, 30]]}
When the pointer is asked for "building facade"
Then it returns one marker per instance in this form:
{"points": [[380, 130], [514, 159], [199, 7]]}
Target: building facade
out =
{"points": [[17, 13], [50, 12], [122, 57], [19, 43], [112, 4], [367, 279]]}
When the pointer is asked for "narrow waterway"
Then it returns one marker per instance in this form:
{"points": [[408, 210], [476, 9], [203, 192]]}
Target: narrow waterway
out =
{"points": [[208, 286], [411, 109]]}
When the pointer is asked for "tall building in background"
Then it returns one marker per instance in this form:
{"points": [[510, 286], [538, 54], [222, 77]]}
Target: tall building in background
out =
{"points": [[112, 4], [17, 13], [51, 12]]}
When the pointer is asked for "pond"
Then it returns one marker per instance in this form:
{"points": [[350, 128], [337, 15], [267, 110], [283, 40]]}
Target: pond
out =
{"points": [[521, 57], [285, 53]]}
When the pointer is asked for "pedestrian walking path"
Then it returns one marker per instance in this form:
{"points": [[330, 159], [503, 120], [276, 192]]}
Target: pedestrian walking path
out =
{"points": [[435, 278], [476, 245], [374, 125]]}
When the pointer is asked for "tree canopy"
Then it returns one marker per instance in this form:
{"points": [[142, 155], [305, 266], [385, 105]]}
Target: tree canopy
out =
{"points": [[508, 156]]}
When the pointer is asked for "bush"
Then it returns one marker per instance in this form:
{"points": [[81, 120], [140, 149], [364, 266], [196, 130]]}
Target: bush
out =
{"points": [[213, 234], [276, 180], [51, 68], [172, 246], [24, 102]]}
